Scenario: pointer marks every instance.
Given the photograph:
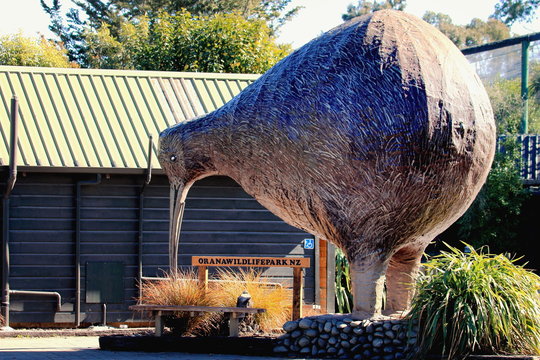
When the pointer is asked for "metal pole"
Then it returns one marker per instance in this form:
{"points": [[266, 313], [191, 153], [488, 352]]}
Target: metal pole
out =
{"points": [[78, 199], [524, 128], [5, 209], [5, 262], [141, 213]]}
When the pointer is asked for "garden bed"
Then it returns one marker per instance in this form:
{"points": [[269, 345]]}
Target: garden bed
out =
{"points": [[244, 345], [249, 345]]}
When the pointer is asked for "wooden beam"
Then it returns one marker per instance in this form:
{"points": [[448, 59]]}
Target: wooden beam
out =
{"points": [[203, 276], [323, 270], [298, 290], [195, 308]]}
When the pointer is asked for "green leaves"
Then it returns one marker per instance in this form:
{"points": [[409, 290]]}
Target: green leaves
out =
{"points": [[477, 32], [477, 303], [344, 300], [19, 50], [219, 43], [505, 97], [81, 28], [511, 11], [494, 217]]}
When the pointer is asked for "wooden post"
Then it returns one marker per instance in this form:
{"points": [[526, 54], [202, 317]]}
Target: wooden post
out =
{"points": [[203, 276], [159, 323], [297, 293], [234, 329], [323, 250]]}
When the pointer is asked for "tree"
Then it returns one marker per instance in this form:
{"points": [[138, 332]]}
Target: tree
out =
{"points": [[114, 14], [477, 32], [366, 6], [511, 11], [181, 42], [274, 12], [24, 51], [505, 97]]}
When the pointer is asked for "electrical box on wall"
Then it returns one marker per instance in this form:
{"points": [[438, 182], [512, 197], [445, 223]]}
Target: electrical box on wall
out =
{"points": [[104, 282]]}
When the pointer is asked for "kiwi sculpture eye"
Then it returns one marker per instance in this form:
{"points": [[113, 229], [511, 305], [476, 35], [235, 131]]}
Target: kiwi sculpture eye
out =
{"points": [[173, 158], [375, 136]]}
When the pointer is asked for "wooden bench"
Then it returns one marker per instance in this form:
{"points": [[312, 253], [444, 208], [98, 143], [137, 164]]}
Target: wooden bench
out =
{"points": [[232, 313]]}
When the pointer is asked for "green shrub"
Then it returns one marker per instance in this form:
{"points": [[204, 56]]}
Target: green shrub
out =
{"points": [[344, 298], [494, 217], [19, 50], [477, 303]]}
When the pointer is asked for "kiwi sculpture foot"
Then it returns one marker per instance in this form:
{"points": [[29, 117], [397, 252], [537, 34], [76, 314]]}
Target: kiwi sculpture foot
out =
{"points": [[376, 136]]}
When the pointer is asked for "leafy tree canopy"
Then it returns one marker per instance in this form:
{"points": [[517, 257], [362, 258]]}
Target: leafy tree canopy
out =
{"points": [[19, 50], [511, 11], [92, 15], [505, 96], [182, 42], [364, 7], [477, 32]]}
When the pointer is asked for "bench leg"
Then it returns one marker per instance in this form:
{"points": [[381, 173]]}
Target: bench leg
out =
{"points": [[233, 324], [159, 323]]}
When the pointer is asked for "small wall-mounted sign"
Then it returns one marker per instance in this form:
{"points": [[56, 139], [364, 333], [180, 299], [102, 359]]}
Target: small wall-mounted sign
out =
{"points": [[294, 262], [309, 243]]}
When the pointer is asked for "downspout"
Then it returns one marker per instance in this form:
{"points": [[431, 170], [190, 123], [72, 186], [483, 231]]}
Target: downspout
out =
{"points": [[5, 228], [54, 294], [80, 184], [141, 214]]}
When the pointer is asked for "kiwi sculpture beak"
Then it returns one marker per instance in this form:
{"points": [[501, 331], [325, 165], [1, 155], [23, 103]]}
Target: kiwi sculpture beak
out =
{"points": [[176, 213]]}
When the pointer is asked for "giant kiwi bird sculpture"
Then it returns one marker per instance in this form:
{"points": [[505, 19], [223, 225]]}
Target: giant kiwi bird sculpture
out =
{"points": [[376, 136]]}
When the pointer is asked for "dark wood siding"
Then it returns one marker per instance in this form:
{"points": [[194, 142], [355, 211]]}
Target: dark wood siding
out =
{"points": [[220, 219]]}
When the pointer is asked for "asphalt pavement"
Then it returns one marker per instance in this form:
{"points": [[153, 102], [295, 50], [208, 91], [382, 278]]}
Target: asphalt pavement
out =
{"points": [[87, 348]]}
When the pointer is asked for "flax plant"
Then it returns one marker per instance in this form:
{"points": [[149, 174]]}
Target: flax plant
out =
{"points": [[477, 303], [344, 298]]}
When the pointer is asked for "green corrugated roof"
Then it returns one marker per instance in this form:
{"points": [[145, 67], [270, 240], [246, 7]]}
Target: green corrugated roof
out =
{"points": [[81, 118]]}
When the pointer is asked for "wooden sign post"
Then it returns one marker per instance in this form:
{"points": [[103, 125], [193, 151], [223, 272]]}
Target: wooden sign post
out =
{"points": [[297, 263]]}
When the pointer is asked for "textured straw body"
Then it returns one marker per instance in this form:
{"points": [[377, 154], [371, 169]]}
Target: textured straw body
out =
{"points": [[376, 136]]}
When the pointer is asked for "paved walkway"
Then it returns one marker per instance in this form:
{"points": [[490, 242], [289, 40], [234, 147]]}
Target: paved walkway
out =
{"points": [[87, 348]]}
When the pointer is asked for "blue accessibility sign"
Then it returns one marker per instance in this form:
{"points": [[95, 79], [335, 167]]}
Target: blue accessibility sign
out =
{"points": [[309, 243]]}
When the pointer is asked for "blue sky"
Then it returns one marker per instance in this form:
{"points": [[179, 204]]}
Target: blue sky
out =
{"points": [[316, 17]]}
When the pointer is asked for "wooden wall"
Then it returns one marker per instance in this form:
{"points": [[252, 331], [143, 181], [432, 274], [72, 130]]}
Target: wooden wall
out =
{"points": [[220, 219]]}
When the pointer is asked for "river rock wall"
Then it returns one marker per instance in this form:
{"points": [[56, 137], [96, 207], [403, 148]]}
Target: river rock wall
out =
{"points": [[339, 336]]}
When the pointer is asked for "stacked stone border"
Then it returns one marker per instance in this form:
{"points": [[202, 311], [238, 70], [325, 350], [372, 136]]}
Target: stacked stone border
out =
{"points": [[340, 336]]}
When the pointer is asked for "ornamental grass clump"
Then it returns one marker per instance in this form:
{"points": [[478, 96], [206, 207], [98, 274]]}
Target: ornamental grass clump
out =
{"points": [[477, 303], [182, 288], [264, 294]]}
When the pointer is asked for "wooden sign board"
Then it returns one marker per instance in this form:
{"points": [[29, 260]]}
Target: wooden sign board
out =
{"points": [[294, 262]]}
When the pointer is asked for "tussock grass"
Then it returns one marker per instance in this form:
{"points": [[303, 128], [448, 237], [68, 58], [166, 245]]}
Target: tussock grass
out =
{"points": [[275, 299], [183, 288], [477, 303]]}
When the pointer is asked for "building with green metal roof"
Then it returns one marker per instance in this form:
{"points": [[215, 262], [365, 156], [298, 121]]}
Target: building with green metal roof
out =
{"points": [[88, 119], [80, 210]]}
